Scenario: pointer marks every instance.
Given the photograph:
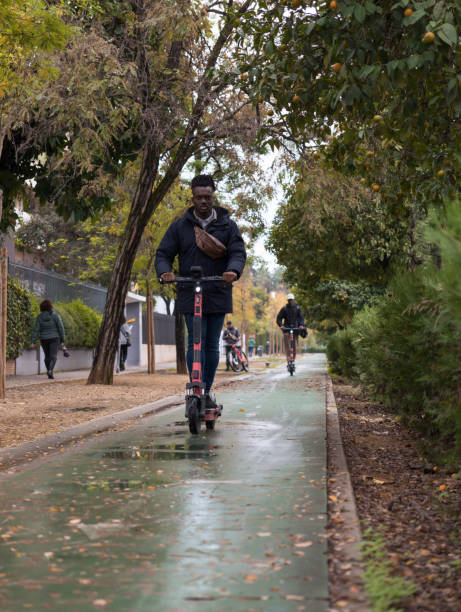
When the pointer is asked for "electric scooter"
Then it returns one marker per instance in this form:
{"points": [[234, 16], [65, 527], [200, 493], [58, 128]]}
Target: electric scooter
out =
{"points": [[291, 355], [196, 410]]}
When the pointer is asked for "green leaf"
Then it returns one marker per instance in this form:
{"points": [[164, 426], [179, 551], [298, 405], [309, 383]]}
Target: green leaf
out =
{"points": [[448, 34], [416, 16], [360, 13], [414, 61]]}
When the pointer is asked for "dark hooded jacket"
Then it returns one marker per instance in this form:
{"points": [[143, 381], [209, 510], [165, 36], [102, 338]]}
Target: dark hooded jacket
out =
{"points": [[179, 239], [290, 316]]}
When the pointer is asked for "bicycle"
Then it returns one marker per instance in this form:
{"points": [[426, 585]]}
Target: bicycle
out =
{"points": [[239, 360], [196, 410]]}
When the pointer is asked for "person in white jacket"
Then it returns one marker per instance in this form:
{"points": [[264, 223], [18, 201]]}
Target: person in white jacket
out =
{"points": [[125, 342]]}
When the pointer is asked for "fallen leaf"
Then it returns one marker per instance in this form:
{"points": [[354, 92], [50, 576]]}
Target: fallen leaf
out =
{"points": [[264, 534], [294, 597], [333, 498], [100, 603], [250, 578], [303, 544]]}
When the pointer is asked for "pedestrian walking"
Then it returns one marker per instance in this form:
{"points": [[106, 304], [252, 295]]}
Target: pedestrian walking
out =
{"points": [[251, 345], [50, 331], [205, 236], [125, 342]]}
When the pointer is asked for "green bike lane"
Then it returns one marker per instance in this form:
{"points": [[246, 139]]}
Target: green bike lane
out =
{"points": [[155, 519]]}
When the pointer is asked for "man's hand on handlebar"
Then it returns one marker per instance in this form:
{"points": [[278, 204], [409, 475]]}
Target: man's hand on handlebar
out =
{"points": [[168, 276], [229, 276]]}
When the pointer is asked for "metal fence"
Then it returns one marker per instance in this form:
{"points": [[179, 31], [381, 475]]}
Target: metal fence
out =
{"points": [[164, 328], [56, 287]]}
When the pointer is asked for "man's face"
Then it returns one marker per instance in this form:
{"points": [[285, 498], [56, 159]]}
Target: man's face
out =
{"points": [[203, 198], [229, 326], [291, 302]]}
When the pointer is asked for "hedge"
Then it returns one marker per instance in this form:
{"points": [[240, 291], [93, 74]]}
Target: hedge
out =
{"points": [[81, 323], [19, 319], [406, 350]]}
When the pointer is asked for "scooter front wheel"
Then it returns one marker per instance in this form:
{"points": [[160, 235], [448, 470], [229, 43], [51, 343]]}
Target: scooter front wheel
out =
{"points": [[245, 363], [193, 414]]}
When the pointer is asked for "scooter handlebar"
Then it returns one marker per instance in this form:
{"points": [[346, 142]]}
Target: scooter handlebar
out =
{"points": [[190, 279]]}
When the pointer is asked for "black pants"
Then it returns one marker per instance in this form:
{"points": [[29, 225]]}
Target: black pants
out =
{"points": [[50, 348], [228, 355], [123, 355]]}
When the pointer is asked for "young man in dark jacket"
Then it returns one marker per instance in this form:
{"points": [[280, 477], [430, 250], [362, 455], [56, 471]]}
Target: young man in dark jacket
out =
{"points": [[290, 317], [181, 239], [230, 337]]}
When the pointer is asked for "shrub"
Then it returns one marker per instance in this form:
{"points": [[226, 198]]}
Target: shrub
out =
{"points": [[407, 349], [19, 319], [81, 323], [341, 353]]}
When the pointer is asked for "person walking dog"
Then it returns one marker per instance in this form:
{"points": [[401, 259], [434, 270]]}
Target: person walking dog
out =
{"points": [[205, 236], [50, 331]]}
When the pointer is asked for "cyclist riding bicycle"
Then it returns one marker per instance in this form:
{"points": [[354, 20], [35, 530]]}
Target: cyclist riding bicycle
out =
{"points": [[290, 317], [230, 337], [205, 236]]}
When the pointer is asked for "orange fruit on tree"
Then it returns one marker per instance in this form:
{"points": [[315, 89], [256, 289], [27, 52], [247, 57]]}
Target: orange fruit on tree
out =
{"points": [[369, 153], [296, 99], [408, 12], [428, 37], [295, 3], [376, 187], [336, 67], [260, 99], [333, 5], [363, 180], [441, 173]]}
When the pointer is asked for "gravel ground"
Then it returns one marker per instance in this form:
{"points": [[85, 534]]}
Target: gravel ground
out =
{"points": [[413, 503]]}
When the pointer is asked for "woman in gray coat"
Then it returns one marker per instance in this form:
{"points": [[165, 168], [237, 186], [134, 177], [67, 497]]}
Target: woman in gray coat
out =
{"points": [[50, 331]]}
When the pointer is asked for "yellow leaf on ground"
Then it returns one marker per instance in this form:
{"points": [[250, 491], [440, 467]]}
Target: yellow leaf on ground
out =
{"points": [[250, 578]]}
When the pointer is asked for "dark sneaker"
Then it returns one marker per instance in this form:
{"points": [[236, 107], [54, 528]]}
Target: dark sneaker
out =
{"points": [[210, 400], [50, 374]]}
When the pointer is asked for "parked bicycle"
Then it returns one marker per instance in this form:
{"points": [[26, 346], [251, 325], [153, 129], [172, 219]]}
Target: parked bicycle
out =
{"points": [[238, 359]]}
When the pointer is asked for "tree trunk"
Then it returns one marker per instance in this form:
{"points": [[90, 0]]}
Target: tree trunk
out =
{"points": [[3, 314], [145, 202], [180, 334], [150, 332]]}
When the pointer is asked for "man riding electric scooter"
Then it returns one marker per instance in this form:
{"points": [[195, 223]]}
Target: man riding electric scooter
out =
{"points": [[205, 236], [290, 318]]}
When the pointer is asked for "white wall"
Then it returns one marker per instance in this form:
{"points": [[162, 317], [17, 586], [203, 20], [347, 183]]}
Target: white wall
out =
{"points": [[80, 359], [163, 353]]}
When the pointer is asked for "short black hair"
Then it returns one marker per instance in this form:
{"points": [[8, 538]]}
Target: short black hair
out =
{"points": [[203, 180], [229, 323]]}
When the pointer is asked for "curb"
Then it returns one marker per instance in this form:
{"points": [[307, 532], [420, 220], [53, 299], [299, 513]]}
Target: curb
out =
{"points": [[344, 550], [15, 456]]}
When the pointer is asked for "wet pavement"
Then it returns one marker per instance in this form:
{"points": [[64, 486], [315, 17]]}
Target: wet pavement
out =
{"points": [[155, 519]]}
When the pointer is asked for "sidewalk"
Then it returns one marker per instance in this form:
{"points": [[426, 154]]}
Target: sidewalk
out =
{"points": [[38, 379]]}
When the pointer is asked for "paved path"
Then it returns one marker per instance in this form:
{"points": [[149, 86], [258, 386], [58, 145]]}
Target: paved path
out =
{"points": [[154, 519]]}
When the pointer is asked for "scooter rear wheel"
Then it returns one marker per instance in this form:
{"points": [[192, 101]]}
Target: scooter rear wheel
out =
{"points": [[194, 417]]}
